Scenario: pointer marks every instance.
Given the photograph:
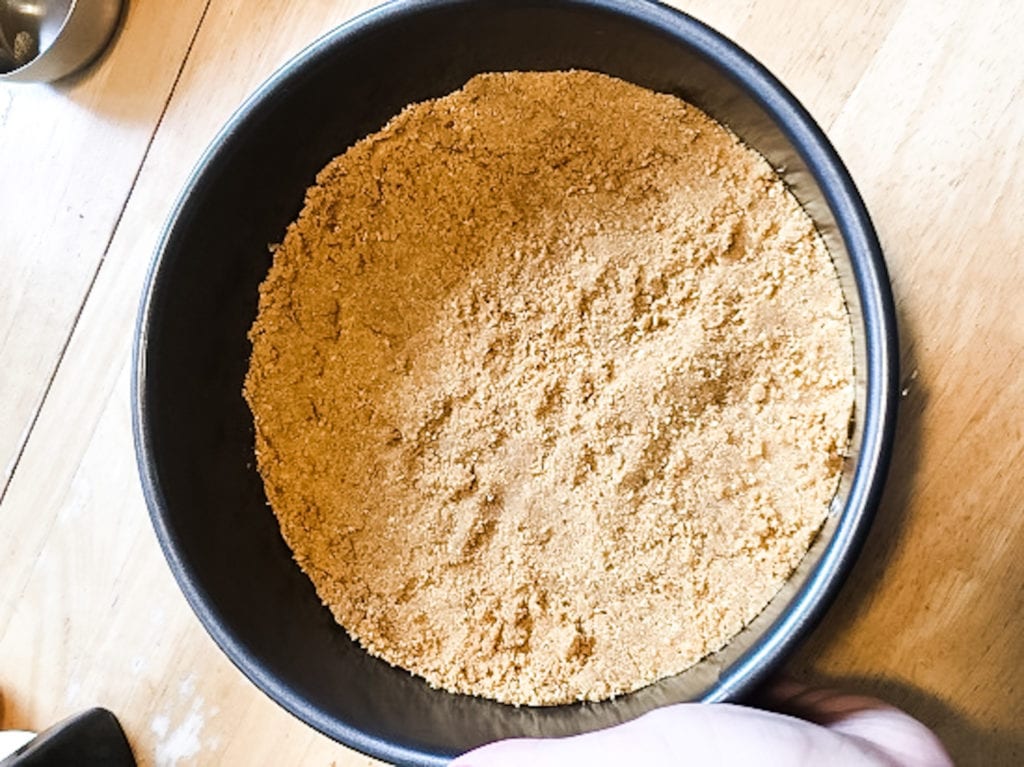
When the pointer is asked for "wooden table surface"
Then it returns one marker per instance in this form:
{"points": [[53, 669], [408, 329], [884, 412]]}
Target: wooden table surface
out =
{"points": [[924, 101]]}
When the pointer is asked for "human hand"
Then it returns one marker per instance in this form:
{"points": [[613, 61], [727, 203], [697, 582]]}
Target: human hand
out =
{"points": [[818, 727]]}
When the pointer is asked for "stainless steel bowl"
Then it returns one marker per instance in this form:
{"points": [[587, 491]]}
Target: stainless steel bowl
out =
{"points": [[44, 40]]}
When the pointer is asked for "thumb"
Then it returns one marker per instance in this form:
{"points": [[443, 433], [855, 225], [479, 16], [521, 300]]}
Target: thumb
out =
{"points": [[719, 735]]}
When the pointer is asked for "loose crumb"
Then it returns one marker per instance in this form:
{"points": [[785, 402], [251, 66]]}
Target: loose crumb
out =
{"points": [[25, 48], [551, 381]]}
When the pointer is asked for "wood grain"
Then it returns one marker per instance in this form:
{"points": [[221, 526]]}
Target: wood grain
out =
{"points": [[69, 155], [922, 100]]}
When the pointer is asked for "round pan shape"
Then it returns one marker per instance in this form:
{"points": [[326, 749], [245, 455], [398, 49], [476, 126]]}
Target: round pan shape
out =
{"points": [[194, 434]]}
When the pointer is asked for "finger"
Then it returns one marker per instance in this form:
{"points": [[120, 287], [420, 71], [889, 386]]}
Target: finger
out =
{"points": [[899, 736], [719, 735], [821, 705], [896, 734]]}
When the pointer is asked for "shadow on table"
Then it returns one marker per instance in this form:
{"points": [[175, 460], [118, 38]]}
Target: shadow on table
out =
{"points": [[11, 717], [116, 94], [888, 531], [968, 743]]}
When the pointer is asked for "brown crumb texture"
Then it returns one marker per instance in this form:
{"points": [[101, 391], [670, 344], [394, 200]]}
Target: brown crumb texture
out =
{"points": [[552, 383]]}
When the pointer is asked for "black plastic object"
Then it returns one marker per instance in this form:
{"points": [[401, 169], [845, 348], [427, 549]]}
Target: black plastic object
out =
{"points": [[93, 738], [194, 433]]}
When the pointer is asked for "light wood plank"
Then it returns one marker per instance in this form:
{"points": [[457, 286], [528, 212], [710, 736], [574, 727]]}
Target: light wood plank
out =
{"points": [[180, 700], [69, 154]]}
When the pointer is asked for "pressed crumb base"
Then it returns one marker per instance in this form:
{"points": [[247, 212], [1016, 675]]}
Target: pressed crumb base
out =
{"points": [[552, 383]]}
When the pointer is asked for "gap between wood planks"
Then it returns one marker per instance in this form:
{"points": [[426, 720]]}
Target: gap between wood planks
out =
{"points": [[27, 434]]}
